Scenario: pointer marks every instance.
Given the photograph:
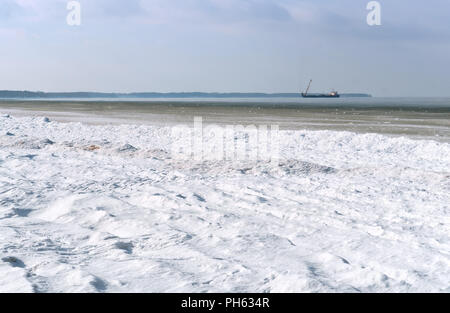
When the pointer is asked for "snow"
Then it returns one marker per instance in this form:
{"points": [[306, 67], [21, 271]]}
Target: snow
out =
{"points": [[104, 208]]}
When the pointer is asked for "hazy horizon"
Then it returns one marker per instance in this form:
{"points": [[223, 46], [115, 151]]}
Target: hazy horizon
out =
{"points": [[225, 46]]}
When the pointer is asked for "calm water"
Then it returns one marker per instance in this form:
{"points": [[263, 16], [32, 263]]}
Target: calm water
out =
{"points": [[266, 102]]}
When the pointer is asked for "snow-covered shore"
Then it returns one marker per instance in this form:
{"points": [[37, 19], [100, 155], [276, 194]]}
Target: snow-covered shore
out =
{"points": [[104, 208]]}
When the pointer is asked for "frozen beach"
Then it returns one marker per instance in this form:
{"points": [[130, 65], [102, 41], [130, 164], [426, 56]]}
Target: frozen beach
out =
{"points": [[418, 118], [101, 206]]}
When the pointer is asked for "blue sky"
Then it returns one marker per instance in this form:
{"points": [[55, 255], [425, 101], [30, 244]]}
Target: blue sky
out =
{"points": [[226, 45]]}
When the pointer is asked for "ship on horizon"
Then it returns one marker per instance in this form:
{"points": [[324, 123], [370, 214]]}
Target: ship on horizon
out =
{"points": [[332, 94]]}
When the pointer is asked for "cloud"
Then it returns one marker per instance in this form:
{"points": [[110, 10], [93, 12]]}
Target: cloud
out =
{"points": [[213, 11], [263, 10], [32, 10], [113, 8], [9, 8], [402, 20], [174, 12]]}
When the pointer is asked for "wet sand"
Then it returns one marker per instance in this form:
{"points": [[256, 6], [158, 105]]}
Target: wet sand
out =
{"points": [[347, 115]]}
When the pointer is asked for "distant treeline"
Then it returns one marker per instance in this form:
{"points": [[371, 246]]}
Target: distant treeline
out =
{"points": [[11, 94]]}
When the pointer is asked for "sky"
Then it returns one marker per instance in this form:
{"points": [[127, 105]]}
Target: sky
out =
{"points": [[226, 46]]}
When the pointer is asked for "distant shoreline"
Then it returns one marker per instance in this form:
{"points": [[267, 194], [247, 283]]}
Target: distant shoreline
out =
{"points": [[12, 94]]}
